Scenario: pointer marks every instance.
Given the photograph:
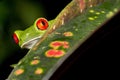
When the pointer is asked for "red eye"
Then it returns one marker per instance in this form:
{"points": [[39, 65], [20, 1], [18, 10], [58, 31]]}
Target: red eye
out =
{"points": [[15, 38], [42, 24]]}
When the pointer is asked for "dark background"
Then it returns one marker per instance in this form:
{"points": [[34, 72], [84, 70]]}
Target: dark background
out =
{"points": [[97, 58]]}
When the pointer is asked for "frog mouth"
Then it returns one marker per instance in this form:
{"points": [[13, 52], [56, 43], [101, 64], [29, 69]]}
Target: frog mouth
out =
{"points": [[29, 44]]}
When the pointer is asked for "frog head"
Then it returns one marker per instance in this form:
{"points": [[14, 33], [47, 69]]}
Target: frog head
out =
{"points": [[28, 37]]}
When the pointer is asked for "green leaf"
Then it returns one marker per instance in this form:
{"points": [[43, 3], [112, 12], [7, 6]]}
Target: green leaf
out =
{"points": [[41, 62]]}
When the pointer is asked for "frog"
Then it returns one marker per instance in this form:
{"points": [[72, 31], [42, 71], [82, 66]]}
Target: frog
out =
{"points": [[28, 38], [42, 27]]}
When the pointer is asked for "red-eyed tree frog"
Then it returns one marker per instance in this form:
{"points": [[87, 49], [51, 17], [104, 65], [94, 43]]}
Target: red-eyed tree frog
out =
{"points": [[28, 37]]}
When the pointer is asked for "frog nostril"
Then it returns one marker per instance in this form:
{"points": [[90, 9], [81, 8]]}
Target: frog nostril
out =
{"points": [[15, 38], [42, 24]]}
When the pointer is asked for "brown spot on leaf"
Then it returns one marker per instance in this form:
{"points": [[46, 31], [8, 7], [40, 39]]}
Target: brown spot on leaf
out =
{"points": [[19, 72], [82, 5], [54, 53], [67, 34], [66, 44], [57, 44], [34, 62]]}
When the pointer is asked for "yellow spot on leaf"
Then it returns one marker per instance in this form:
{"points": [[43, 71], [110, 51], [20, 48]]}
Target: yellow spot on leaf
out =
{"points": [[39, 71], [91, 18], [76, 29], [18, 72], [102, 11], [36, 57], [110, 14], [98, 13], [91, 11], [34, 62], [115, 10], [95, 17]]}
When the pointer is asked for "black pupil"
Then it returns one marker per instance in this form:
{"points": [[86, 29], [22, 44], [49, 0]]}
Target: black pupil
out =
{"points": [[43, 23]]}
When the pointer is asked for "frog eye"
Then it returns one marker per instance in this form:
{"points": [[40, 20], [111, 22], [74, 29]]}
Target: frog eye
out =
{"points": [[15, 38], [42, 24]]}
